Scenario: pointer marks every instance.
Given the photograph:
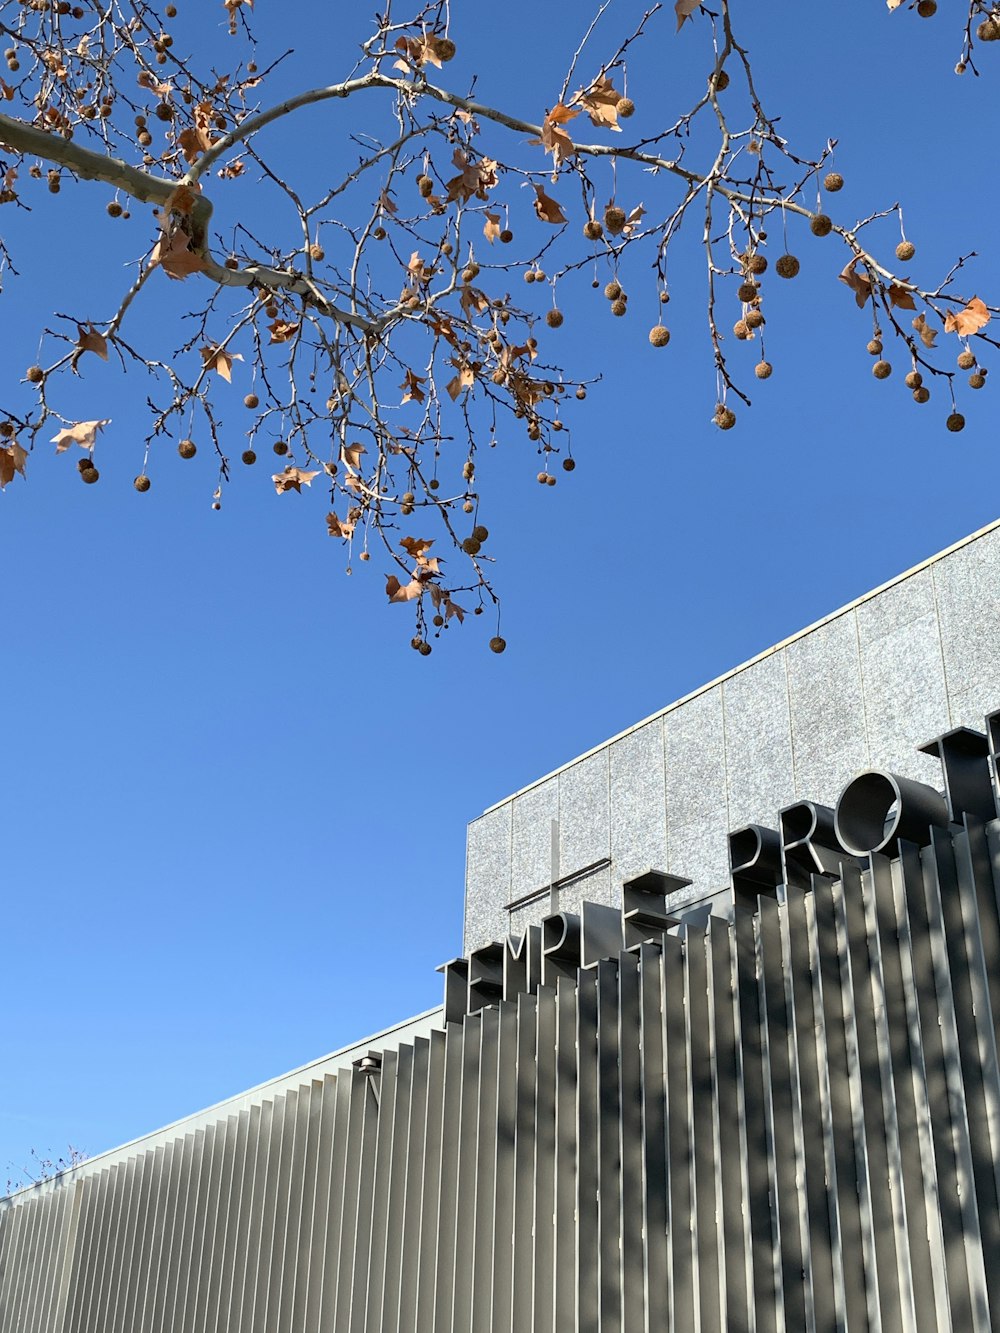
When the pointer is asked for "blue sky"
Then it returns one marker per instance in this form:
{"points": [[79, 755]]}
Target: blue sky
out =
{"points": [[235, 799]]}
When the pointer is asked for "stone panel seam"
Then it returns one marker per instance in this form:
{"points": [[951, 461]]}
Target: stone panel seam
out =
{"points": [[665, 811], [861, 680], [940, 643], [725, 750], [791, 730]]}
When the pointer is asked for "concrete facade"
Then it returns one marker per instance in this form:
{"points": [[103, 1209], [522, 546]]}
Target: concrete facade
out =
{"points": [[909, 660]]}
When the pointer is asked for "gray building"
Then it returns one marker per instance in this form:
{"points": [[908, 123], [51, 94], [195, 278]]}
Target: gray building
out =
{"points": [[858, 689], [722, 1052]]}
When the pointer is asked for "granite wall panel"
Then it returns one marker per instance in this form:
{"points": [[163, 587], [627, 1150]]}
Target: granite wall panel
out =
{"points": [[967, 593], [696, 789], [584, 824], [531, 837], [826, 709], [638, 802], [902, 673], [758, 743], [487, 877]]}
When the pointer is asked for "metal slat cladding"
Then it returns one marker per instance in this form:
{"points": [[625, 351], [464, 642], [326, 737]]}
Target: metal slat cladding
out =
{"points": [[587, 1170], [705, 1131], [632, 1268]]}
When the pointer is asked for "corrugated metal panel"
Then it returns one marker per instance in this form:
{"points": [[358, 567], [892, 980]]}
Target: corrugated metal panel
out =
{"points": [[788, 1121]]}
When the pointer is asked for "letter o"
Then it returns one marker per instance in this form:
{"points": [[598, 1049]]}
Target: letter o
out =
{"points": [[877, 809]]}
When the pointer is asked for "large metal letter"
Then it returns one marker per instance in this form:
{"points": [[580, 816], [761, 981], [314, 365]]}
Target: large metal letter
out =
{"points": [[965, 760], [644, 906], [877, 809], [754, 861], [809, 844], [485, 976], [560, 947], [522, 963]]}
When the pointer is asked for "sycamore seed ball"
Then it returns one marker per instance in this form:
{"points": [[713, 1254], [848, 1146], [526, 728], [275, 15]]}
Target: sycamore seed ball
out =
{"points": [[187, 448], [875, 347], [754, 319], [568, 464], [593, 230], [787, 266], [554, 318], [821, 225], [619, 307], [914, 379], [614, 219], [833, 181], [625, 107], [955, 421], [905, 251], [89, 474], [35, 374], [989, 29], [725, 417], [763, 370], [747, 291], [921, 394], [142, 482], [881, 370], [497, 645], [927, 8], [966, 360], [249, 457], [977, 379], [741, 330], [251, 401], [757, 264], [612, 291], [659, 335]]}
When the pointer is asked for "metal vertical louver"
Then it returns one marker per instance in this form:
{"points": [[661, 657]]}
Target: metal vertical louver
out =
{"points": [[788, 1121]]}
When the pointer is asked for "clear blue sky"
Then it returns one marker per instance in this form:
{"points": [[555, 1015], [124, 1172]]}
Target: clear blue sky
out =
{"points": [[235, 800]]}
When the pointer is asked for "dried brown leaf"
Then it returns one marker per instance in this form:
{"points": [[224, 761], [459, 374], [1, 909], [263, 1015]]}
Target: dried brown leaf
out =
{"points": [[350, 455], [293, 479], [926, 334], [221, 361], [547, 209], [339, 527], [174, 255], [416, 546], [901, 297], [12, 459], [89, 340], [402, 592], [600, 101], [859, 283], [412, 388], [684, 9], [969, 320], [83, 433], [281, 330]]}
